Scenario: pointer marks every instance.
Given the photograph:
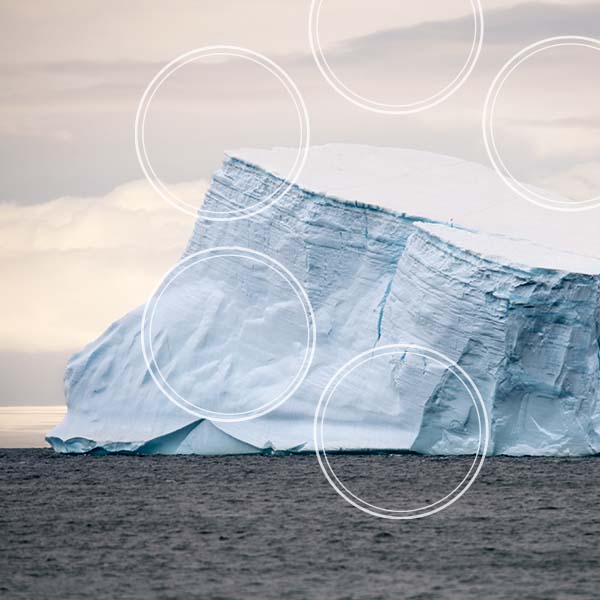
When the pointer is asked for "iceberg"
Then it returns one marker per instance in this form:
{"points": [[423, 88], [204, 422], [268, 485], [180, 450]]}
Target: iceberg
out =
{"points": [[391, 246]]}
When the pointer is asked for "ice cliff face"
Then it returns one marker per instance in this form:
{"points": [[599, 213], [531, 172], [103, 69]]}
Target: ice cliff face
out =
{"points": [[380, 265]]}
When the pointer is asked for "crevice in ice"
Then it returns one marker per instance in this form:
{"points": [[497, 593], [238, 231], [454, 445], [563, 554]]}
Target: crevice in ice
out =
{"points": [[381, 307]]}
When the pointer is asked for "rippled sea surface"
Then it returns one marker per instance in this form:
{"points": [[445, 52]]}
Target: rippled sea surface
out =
{"points": [[271, 527]]}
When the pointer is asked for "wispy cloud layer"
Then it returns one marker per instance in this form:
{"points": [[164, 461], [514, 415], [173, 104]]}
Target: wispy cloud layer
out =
{"points": [[71, 266], [67, 105], [503, 25]]}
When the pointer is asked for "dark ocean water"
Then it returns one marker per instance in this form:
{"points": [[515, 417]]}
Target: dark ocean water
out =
{"points": [[272, 527]]}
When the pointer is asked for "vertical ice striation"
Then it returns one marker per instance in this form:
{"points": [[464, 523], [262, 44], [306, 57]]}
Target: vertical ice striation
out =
{"points": [[522, 320]]}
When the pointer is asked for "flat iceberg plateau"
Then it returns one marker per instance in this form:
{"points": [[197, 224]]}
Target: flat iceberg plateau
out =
{"points": [[391, 246]]}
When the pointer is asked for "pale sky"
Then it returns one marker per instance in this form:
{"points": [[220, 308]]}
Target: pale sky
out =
{"points": [[83, 238]]}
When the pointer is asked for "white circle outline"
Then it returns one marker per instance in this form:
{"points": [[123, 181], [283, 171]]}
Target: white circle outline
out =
{"points": [[395, 109], [489, 138], [204, 52], [150, 310], [393, 352], [354, 363]]}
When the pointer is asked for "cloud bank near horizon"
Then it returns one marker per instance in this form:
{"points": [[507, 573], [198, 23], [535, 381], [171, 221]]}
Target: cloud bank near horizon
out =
{"points": [[72, 266]]}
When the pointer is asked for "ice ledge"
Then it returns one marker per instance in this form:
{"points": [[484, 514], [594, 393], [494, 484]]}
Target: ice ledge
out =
{"points": [[469, 196], [507, 251]]}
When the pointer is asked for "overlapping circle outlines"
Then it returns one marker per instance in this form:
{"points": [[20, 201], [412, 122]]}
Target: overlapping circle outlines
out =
{"points": [[150, 311], [287, 183], [215, 51], [476, 465], [395, 109]]}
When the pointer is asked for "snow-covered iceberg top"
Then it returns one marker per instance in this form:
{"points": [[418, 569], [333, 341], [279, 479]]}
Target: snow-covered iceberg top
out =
{"points": [[377, 239], [437, 188], [506, 250]]}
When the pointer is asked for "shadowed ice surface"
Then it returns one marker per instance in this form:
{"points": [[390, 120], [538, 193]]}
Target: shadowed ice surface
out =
{"points": [[271, 527]]}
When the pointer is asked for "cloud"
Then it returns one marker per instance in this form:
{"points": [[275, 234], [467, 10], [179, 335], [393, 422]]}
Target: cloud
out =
{"points": [[520, 24], [581, 181], [108, 81], [147, 29], [68, 105], [38, 30], [392, 63], [18, 387], [71, 266]]}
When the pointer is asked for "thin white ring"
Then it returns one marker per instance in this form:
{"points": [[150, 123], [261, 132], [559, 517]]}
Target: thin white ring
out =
{"points": [[356, 366], [344, 371], [192, 56], [489, 139], [150, 310], [394, 109]]}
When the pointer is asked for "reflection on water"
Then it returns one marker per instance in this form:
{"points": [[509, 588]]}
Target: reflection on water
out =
{"points": [[26, 426]]}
